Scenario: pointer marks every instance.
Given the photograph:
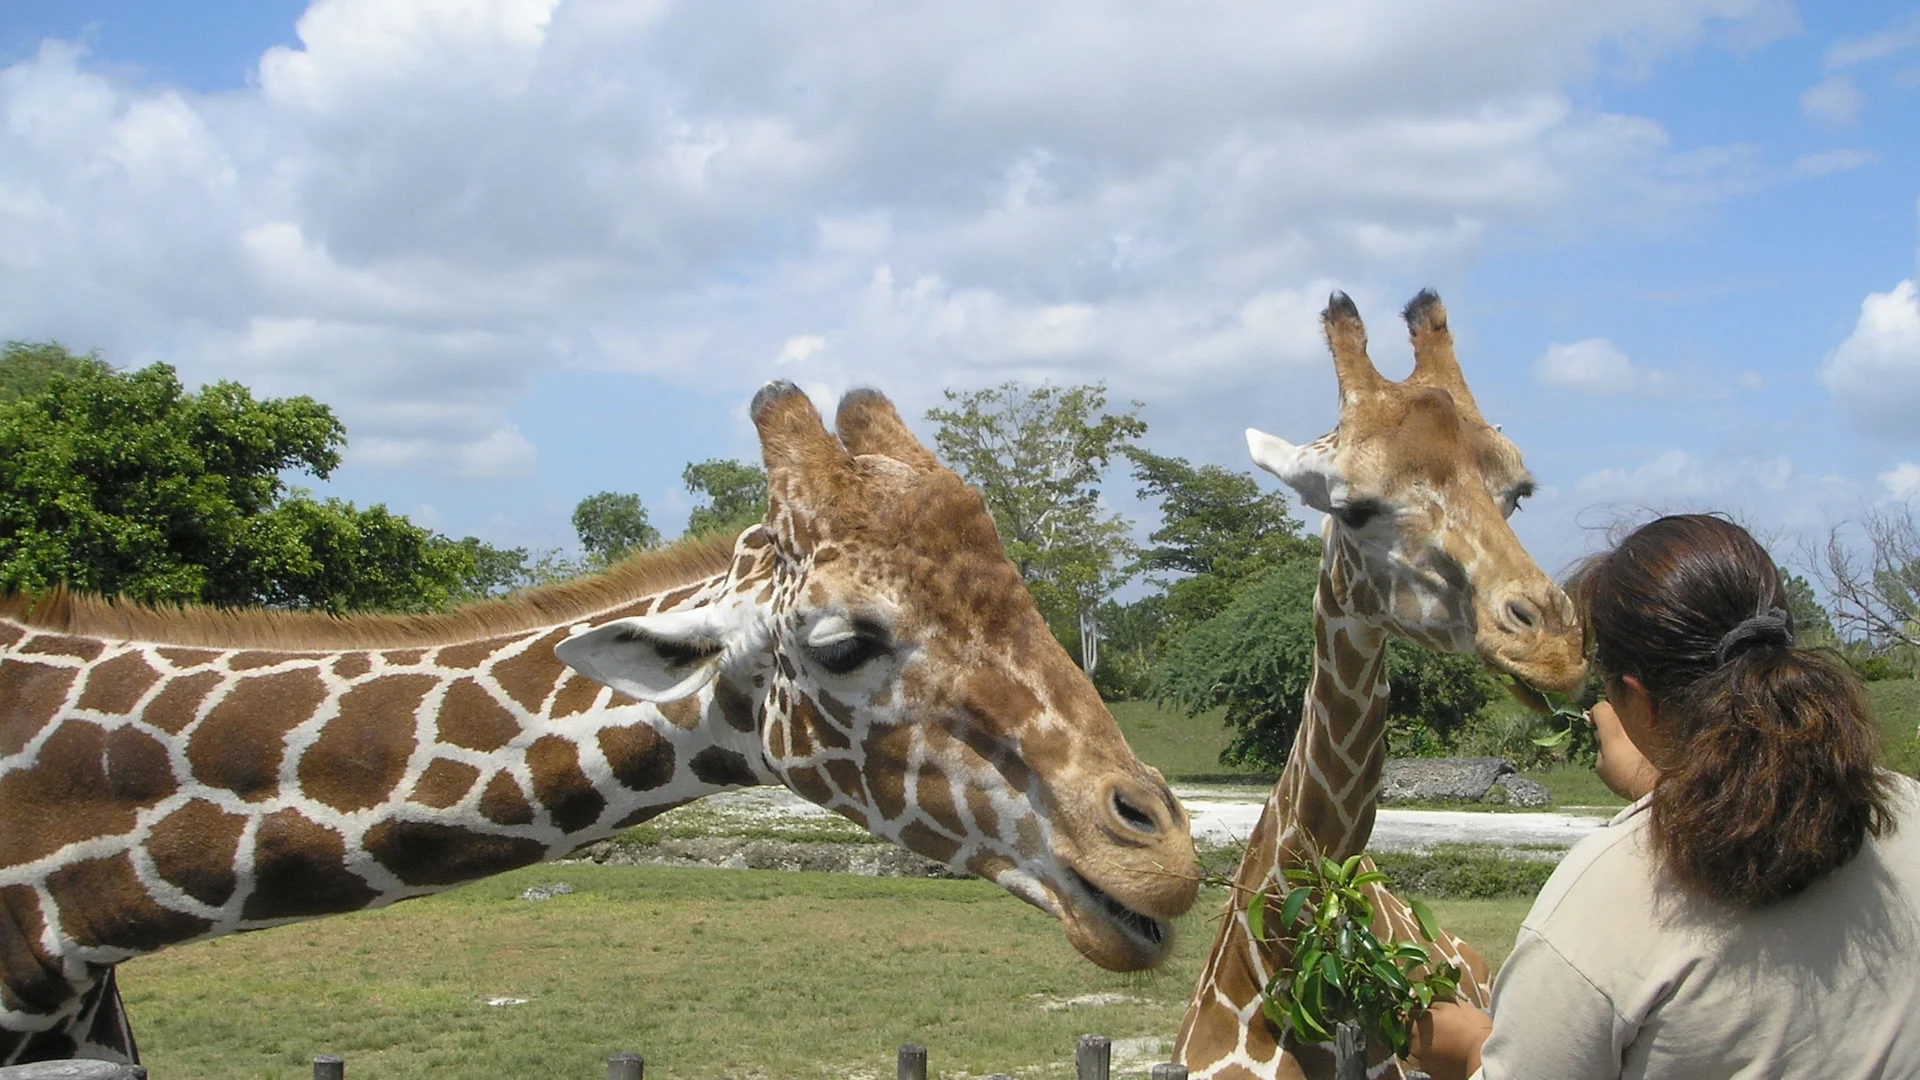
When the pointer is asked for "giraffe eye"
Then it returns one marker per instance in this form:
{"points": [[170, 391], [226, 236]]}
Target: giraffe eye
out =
{"points": [[1357, 515], [842, 655]]}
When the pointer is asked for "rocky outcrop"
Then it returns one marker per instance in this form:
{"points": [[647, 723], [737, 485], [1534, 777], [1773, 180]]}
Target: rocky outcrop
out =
{"points": [[736, 853], [1482, 780]]}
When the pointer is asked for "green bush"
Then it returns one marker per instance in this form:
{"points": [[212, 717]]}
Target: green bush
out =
{"points": [[1508, 730], [1462, 873], [1874, 667], [1123, 677], [1256, 658]]}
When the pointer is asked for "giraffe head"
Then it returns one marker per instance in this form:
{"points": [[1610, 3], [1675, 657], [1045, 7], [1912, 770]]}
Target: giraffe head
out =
{"points": [[1417, 489], [893, 668]]}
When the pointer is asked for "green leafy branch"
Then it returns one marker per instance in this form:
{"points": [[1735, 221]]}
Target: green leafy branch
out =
{"points": [[1551, 707], [1341, 971]]}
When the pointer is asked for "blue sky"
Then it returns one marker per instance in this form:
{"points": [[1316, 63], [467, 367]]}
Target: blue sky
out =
{"points": [[530, 250]]}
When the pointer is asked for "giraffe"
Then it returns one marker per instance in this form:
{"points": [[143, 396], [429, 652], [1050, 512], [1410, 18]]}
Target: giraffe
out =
{"points": [[1417, 489], [169, 776]]}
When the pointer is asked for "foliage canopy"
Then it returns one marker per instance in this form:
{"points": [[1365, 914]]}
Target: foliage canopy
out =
{"points": [[1256, 658], [123, 483], [1038, 456], [735, 493]]}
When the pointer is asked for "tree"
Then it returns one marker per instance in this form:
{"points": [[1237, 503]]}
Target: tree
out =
{"points": [[611, 524], [496, 571], [736, 495], [1810, 621], [1218, 530], [1038, 456], [1876, 593], [123, 483], [330, 556], [26, 368], [1256, 657], [1133, 633]]}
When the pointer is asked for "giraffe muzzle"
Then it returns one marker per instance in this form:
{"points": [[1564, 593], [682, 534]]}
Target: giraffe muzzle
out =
{"points": [[1125, 871]]}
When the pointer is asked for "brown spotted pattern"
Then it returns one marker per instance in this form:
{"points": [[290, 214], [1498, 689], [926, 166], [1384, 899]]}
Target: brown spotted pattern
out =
{"points": [[159, 793]]}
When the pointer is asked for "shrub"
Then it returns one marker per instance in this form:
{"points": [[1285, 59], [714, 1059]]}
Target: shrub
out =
{"points": [[1256, 658]]}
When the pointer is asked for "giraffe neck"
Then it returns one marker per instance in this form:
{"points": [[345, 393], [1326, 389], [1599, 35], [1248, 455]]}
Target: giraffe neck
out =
{"points": [[1323, 802], [1325, 798], [158, 794]]}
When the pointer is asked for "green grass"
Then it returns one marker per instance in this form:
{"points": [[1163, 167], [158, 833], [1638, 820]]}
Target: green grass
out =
{"points": [[1896, 705], [1186, 749], [1574, 785], [706, 972]]}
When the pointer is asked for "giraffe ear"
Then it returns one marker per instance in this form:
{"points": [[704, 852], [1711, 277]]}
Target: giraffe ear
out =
{"points": [[1305, 469], [656, 658]]}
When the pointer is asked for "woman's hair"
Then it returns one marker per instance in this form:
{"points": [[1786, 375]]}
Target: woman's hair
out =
{"points": [[1766, 749]]}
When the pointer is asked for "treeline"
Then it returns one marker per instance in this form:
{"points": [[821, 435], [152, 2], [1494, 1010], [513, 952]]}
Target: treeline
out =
{"points": [[124, 483]]}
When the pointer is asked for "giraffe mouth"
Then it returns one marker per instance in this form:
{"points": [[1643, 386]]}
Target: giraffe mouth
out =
{"points": [[1150, 935]]}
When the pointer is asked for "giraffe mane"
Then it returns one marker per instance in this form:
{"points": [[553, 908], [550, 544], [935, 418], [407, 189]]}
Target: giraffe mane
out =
{"points": [[63, 610]]}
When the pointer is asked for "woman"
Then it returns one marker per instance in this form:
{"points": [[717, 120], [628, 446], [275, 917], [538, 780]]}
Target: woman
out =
{"points": [[1756, 911]]}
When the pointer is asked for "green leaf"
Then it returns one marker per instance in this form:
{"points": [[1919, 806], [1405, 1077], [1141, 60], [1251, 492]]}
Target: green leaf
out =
{"points": [[1423, 915], [1349, 868], [1554, 741], [1329, 869], [1305, 1027], [1290, 908], [1390, 975], [1330, 969], [1257, 915], [1371, 877], [1275, 1012]]}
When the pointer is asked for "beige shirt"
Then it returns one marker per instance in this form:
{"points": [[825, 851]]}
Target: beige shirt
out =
{"points": [[1618, 972]]}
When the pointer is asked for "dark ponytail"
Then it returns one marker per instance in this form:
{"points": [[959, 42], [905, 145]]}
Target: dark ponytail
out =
{"points": [[1766, 748]]}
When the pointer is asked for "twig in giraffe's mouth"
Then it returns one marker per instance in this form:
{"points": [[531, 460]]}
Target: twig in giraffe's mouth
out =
{"points": [[1145, 927]]}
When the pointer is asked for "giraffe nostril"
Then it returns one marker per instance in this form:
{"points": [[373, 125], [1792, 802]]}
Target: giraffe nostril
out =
{"points": [[1136, 818], [1524, 615]]}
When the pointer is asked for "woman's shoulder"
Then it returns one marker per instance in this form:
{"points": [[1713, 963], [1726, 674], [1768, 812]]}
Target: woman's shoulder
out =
{"points": [[1608, 868]]}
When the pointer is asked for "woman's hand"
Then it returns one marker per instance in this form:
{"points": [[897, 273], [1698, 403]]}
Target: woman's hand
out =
{"points": [[1446, 1040]]}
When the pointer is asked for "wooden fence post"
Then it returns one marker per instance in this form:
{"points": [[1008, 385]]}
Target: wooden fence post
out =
{"points": [[1169, 1071], [328, 1067], [1349, 1052], [1092, 1057], [626, 1065], [911, 1062]]}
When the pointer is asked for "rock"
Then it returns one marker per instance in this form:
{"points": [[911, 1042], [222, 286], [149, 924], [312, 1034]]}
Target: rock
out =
{"points": [[1441, 779], [1517, 790], [735, 853], [546, 892]]}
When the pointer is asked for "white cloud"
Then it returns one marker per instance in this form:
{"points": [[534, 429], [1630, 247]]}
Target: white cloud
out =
{"points": [[1595, 366], [1835, 100], [1902, 481], [1899, 38], [1874, 375], [425, 206], [1832, 161], [798, 349]]}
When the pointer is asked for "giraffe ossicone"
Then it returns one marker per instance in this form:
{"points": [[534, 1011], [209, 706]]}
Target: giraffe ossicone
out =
{"points": [[169, 776], [1417, 489]]}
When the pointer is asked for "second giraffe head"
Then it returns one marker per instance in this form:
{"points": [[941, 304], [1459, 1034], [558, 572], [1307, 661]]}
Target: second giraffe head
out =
{"points": [[1417, 489]]}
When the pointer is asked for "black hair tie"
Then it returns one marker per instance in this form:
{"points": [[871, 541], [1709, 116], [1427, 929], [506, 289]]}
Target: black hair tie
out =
{"points": [[1773, 628]]}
